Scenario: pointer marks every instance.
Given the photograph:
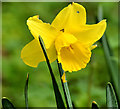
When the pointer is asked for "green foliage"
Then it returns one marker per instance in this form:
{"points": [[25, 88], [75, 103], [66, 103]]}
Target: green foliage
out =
{"points": [[111, 99], [94, 105], [58, 97], [65, 88], [26, 91], [112, 64], [7, 104]]}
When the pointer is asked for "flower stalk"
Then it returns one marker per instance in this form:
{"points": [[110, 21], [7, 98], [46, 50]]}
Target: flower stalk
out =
{"points": [[26, 91], [59, 100], [112, 66], [65, 87]]}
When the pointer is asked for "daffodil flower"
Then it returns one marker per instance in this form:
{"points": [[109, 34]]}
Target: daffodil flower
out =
{"points": [[68, 38]]}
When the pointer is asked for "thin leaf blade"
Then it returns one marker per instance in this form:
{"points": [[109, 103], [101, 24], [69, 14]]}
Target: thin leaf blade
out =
{"points": [[65, 88], [112, 65], [59, 100], [26, 91], [7, 104], [94, 105], [111, 100]]}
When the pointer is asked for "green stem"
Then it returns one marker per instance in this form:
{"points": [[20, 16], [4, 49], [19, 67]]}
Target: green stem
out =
{"points": [[59, 100], [26, 91], [112, 66], [65, 88]]}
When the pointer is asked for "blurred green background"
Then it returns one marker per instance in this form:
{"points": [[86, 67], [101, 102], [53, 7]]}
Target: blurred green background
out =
{"points": [[85, 85]]}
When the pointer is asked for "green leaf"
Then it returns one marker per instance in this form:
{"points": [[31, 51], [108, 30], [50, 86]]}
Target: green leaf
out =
{"points": [[65, 88], [94, 105], [26, 91], [111, 100], [112, 65], [7, 104], [59, 100]]}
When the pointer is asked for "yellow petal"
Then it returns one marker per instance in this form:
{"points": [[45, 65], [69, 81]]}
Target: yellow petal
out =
{"points": [[74, 57], [63, 78], [70, 17], [89, 34], [32, 53], [45, 30]]}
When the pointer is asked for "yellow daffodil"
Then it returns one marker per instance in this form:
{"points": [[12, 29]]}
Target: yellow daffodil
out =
{"points": [[68, 38]]}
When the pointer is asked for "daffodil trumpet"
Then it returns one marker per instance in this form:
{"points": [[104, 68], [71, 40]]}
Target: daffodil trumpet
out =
{"points": [[68, 38]]}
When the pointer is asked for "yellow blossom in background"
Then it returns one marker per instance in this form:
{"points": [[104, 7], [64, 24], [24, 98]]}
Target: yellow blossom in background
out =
{"points": [[68, 38]]}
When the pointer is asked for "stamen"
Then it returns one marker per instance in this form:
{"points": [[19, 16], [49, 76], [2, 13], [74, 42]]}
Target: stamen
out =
{"points": [[70, 48], [78, 12]]}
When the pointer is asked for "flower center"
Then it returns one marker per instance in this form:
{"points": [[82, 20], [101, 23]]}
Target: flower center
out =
{"points": [[70, 48], [65, 41]]}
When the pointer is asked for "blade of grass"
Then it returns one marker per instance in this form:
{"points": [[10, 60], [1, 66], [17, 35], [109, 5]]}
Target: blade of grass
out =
{"points": [[94, 105], [26, 91], [7, 104], [112, 65], [111, 100], [65, 87], [59, 100]]}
